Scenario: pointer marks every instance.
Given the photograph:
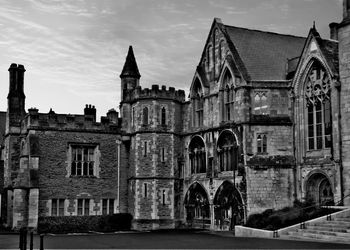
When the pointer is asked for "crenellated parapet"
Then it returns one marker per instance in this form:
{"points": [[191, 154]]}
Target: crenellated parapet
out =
{"points": [[73, 122], [156, 92]]}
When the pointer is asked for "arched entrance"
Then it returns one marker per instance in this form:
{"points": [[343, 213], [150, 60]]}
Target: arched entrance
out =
{"points": [[319, 190], [228, 207], [197, 206]]}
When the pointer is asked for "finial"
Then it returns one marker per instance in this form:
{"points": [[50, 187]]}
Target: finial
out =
{"points": [[314, 25]]}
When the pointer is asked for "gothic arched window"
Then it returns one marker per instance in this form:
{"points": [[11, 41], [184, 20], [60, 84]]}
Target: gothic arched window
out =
{"points": [[222, 51], [198, 104], [210, 56], [229, 96], [227, 151], [145, 116], [318, 104], [197, 155]]}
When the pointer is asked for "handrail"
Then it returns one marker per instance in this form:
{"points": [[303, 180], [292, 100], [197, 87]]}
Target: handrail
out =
{"points": [[319, 205]]}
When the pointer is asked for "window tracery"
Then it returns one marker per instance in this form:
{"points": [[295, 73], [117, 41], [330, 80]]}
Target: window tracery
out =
{"points": [[318, 103]]}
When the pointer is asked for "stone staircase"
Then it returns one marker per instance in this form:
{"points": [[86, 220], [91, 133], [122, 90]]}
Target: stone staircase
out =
{"points": [[335, 230]]}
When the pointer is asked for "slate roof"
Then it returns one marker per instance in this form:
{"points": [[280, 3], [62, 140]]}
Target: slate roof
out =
{"points": [[330, 51], [130, 67], [265, 54], [2, 126]]}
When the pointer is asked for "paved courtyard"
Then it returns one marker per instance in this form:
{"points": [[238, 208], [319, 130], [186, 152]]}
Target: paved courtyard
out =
{"points": [[161, 240]]}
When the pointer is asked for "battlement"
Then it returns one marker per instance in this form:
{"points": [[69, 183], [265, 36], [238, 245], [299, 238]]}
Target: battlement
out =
{"points": [[154, 93], [86, 122]]}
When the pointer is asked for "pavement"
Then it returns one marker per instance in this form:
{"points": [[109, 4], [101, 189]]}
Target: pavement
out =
{"points": [[163, 239]]}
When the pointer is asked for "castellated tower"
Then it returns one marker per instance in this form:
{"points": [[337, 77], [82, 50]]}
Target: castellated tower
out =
{"points": [[344, 74], [152, 118]]}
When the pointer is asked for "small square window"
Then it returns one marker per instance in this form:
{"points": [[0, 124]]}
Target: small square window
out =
{"points": [[261, 142]]}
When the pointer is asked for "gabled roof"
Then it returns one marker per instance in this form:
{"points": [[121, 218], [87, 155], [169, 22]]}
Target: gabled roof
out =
{"points": [[264, 54], [2, 126], [130, 67]]}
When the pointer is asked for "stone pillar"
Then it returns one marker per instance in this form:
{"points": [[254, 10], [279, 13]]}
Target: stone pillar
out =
{"points": [[212, 216], [9, 208], [19, 208], [33, 208]]}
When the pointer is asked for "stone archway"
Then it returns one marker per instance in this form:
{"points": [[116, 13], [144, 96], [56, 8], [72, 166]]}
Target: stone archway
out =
{"points": [[197, 206], [228, 207], [319, 190]]}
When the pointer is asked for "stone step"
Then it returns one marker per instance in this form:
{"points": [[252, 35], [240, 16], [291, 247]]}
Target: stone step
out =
{"points": [[317, 236], [332, 223], [329, 228], [305, 238], [347, 219], [324, 233]]}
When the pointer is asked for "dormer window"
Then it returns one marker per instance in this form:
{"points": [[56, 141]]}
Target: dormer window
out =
{"points": [[260, 103]]}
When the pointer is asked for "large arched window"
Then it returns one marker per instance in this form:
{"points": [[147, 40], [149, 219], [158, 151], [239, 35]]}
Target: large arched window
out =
{"points": [[197, 155], [318, 105], [229, 96], [227, 151]]}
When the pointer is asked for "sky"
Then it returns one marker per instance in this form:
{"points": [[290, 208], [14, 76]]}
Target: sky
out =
{"points": [[74, 50]]}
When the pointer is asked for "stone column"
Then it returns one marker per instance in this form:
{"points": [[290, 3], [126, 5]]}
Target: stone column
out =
{"points": [[33, 207], [212, 216]]}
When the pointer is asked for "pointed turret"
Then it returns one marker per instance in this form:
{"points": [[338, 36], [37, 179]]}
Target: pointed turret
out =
{"points": [[130, 75], [130, 68]]}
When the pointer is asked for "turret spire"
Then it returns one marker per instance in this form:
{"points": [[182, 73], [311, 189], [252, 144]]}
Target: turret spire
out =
{"points": [[130, 68]]}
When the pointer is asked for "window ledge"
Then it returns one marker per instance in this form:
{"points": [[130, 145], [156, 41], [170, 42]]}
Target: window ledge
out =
{"points": [[83, 176]]}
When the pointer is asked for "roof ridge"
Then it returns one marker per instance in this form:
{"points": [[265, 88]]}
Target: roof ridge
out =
{"points": [[263, 31]]}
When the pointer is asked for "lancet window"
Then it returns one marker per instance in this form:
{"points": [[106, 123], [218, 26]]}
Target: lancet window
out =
{"points": [[229, 96]]}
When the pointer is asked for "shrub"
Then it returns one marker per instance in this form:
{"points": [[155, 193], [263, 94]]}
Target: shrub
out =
{"points": [[75, 224], [288, 216]]}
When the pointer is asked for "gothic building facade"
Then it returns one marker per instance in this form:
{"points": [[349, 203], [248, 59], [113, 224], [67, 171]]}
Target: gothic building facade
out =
{"points": [[266, 123]]}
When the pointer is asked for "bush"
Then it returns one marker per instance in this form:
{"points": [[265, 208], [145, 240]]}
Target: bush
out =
{"points": [[288, 216], [78, 224]]}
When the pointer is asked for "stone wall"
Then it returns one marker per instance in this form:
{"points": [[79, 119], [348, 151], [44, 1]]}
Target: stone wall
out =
{"points": [[344, 65], [56, 183], [269, 188]]}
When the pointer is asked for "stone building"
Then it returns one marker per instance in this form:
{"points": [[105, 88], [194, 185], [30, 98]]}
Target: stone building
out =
{"points": [[266, 123]]}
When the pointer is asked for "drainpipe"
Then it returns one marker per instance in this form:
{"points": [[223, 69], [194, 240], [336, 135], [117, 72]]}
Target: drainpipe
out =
{"points": [[338, 87], [294, 149], [118, 166]]}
